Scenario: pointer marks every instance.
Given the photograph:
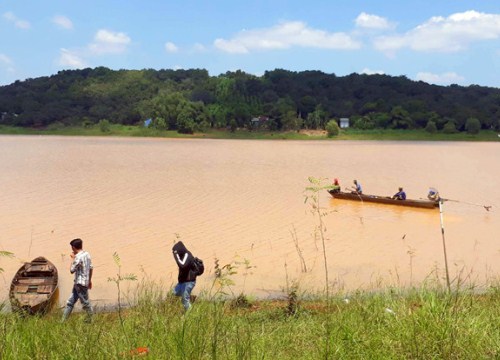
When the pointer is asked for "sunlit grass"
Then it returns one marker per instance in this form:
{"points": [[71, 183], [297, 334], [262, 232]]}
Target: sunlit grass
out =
{"points": [[419, 323]]}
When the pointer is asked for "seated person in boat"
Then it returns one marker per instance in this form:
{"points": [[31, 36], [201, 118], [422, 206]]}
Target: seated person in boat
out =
{"points": [[400, 195], [356, 188], [336, 186], [433, 195]]}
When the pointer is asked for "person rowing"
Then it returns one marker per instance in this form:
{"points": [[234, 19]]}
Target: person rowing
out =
{"points": [[356, 188], [400, 195]]}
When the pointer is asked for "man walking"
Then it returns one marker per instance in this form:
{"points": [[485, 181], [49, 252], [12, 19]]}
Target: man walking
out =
{"points": [[81, 266]]}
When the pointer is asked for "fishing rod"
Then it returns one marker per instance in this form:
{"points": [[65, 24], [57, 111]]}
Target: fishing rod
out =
{"points": [[486, 207]]}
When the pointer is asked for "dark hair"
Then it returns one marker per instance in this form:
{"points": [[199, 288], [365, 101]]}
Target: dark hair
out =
{"points": [[76, 243]]}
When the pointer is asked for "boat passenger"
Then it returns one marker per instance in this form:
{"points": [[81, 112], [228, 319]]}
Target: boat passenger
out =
{"points": [[433, 194], [356, 188], [336, 186], [400, 195]]}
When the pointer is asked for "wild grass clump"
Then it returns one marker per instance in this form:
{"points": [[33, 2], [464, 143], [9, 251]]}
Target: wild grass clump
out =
{"points": [[393, 324]]}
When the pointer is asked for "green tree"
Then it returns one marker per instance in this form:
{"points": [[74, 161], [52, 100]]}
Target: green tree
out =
{"points": [[472, 126]]}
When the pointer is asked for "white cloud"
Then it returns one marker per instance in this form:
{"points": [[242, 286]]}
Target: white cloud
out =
{"points": [[284, 36], [372, 72], [451, 34], [171, 47], [109, 42], [4, 59], [71, 59], [369, 21], [199, 48], [440, 79], [63, 22], [19, 23]]}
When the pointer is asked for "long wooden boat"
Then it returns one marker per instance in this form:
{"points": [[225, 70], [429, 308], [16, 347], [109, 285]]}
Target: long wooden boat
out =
{"points": [[426, 204], [34, 287]]}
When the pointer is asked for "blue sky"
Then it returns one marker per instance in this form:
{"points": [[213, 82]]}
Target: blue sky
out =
{"points": [[441, 42]]}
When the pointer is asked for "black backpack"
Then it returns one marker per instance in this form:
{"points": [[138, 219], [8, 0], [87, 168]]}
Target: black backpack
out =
{"points": [[198, 266]]}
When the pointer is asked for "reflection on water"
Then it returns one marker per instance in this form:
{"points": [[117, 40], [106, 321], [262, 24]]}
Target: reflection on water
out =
{"points": [[237, 200]]}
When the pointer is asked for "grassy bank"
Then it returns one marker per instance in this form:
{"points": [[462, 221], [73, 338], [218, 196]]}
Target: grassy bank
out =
{"points": [[420, 323], [349, 134]]}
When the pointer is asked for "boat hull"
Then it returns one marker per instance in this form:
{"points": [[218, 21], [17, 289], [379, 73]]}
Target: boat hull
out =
{"points": [[424, 204], [34, 288]]}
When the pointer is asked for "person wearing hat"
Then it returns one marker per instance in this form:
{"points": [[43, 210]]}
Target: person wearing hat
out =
{"points": [[336, 186]]}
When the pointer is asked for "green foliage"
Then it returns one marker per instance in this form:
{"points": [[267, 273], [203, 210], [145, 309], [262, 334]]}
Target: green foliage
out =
{"points": [[472, 126], [233, 125], [364, 123], [450, 128], [104, 125], [431, 127], [129, 97], [87, 123], [332, 128]]}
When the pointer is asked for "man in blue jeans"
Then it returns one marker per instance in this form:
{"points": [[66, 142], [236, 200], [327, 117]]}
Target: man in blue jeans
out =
{"points": [[81, 266], [187, 275]]}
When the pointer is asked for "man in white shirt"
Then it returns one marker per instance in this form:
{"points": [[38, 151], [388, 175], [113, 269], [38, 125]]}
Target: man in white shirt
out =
{"points": [[81, 266]]}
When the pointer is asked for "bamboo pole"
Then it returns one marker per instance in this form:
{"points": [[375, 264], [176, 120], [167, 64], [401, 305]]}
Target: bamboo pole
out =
{"points": [[444, 245]]}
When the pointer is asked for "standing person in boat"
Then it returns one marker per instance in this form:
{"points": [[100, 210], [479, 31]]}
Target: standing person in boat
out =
{"points": [[400, 195], [336, 186], [356, 188], [187, 276], [433, 194], [81, 266]]}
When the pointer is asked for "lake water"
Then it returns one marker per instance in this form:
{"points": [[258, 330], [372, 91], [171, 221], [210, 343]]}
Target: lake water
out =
{"points": [[239, 201]]}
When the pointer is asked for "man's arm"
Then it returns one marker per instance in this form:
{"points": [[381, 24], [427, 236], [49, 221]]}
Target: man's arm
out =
{"points": [[74, 263], [91, 271]]}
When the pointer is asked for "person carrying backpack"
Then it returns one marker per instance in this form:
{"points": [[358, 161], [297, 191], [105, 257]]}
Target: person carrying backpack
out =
{"points": [[188, 271]]}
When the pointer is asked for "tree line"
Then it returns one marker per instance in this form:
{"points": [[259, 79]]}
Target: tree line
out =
{"points": [[192, 100]]}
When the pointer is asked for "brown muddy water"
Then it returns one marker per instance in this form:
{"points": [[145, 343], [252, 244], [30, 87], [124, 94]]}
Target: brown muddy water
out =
{"points": [[241, 200]]}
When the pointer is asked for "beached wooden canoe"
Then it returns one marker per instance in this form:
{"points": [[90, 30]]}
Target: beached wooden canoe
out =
{"points": [[426, 204], [34, 287]]}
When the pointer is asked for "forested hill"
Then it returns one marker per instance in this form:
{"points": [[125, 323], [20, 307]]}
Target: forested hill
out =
{"points": [[191, 100]]}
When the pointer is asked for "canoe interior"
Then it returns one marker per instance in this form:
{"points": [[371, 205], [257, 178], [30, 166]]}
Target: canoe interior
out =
{"points": [[425, 204], [34, 287]]}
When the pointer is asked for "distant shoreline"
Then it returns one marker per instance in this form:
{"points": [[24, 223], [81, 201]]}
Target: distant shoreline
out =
{"points": [[243, 134]]}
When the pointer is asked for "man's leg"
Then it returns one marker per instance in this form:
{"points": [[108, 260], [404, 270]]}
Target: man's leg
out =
{"points": [[70, 303], [83, 295]]}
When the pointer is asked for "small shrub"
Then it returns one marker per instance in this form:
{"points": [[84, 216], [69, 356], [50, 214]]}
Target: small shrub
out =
{"points": [[450, 128], [240, 302], [233, 125], [104, 125], [55, 126], [332, 128], [431, 127], [87, 123]]}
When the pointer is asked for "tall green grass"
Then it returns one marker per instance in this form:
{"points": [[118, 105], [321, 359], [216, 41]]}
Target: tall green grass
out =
{"points": [[419, 323]]}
